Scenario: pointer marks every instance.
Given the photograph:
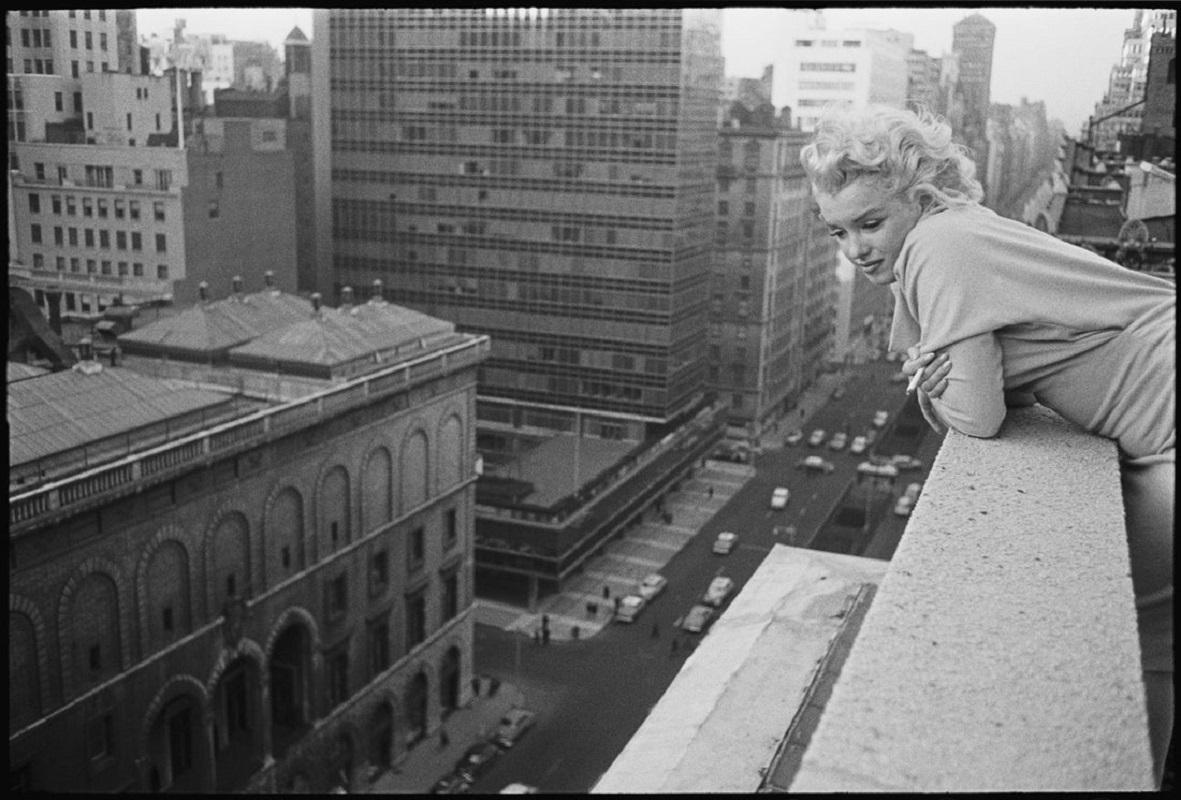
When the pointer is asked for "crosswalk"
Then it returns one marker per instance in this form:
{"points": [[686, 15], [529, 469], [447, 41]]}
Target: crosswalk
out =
{"points": [[646, 548]]}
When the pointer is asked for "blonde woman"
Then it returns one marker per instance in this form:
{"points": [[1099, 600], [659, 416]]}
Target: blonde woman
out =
{"points": [[993, 313]]}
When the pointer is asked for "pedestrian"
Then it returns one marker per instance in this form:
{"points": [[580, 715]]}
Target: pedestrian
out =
{"points": [[617, 605], [544, 636], [606, 592], [444, 739], [537, 636], [592, 609], [544, 621], [993, 313]]}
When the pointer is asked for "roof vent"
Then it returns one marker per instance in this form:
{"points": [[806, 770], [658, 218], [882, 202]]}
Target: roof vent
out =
{"points": [[376, 297], [203, 291], [86, 363], [315, 302], [346, 296], [268, 278], [236, 284]]}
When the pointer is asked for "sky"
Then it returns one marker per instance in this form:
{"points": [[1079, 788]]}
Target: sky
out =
{"points": [[1062, 56]]}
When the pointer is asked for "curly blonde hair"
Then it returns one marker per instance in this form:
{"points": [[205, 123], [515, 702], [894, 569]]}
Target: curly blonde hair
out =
{"points": [[910, 153]]}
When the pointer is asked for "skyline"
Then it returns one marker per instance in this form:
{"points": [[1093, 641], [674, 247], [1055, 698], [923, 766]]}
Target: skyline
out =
{"points": [[1035, 57]]}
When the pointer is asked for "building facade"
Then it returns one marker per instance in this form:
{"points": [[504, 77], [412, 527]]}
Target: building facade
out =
{"points": [[1122, 108], [774, 260], [218, 593], [842, 68], [545, 177], [972, 41]]}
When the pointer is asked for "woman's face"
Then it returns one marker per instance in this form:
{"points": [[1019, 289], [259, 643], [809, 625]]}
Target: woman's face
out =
{"points": [[870, 224]]}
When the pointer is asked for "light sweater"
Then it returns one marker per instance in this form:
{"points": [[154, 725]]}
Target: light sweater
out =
{"points": [[1020, 311]]}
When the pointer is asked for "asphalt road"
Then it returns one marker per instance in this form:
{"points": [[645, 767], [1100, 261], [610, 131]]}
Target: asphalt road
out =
{"points": [[592, 695]]}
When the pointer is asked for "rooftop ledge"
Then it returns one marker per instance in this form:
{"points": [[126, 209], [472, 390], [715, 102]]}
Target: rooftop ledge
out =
{"points": [[999, 654]]}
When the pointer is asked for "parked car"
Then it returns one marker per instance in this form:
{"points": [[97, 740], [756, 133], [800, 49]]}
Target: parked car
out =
{"points": [[858, 445], [893, 355], [719, 589], [817, 437], [903, 507], [877, 470], [838, 441], [838, 393], [452, 784], [779, 497], [629, 608], [519, 788], [738, 452], [476, 760], [794, 438], [788, 532], [880, 417], [651, 586], [899, 377], [871, 436], [904, 462], [515, 722], [912, 491], [697, 619], [815, 463], [725, 542]]}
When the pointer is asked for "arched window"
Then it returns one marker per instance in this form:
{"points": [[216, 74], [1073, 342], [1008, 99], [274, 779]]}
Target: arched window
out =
{"points": [[169, 612], [376, 498], [334, 511]]}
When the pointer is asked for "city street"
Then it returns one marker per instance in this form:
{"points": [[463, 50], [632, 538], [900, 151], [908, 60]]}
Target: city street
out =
{"points": [[592, 694]]}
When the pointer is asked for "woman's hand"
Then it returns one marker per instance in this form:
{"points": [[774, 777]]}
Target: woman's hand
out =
{"points": [[932, 384]]}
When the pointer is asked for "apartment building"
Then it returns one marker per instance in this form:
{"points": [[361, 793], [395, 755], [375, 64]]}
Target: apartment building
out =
{"points": [[847, 68], [240, 561], [772, 275]]}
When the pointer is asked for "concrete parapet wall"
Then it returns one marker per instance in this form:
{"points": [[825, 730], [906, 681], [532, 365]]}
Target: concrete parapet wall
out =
{"points": [[1000, 653]]}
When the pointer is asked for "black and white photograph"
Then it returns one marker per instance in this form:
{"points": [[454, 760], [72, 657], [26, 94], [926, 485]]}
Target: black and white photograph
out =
{"points": [[617, 400]]}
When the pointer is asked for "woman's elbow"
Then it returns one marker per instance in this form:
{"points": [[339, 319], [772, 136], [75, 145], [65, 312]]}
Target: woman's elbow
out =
{"points": [[981, 423]]}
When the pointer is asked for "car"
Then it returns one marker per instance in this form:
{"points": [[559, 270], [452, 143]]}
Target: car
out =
{"points": [[871, 436], [904, 462], [476, 760], [838, 393], [815, 464], [893, 355], [838, 441], [899, 377], [779, 497], [857, 447], [817, 437], [877, 470], [629, 608], [452, 784], [903, 506], [725, 542], [794, 438], [519, 788], [912, 491], [738, 452], [697, 619], [880, 417], [651, 586], [513, 725], [719, 589], [788, 532]]}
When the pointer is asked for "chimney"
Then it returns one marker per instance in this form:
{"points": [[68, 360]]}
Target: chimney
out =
{"points": [[236, 285], [85, 350], [376, 296], [346, 297], [203, 291], [86, 363], [268, 279], [316, 302], [115, 356]]}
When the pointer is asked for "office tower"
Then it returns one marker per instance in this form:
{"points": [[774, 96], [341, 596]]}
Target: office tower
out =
{"points": [[972, 40], [544, 176], [233, 566], [1122, 107], [773, 285], [847, 68], [923, 81]]}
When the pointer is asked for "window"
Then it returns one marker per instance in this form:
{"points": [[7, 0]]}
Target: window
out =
{"points": [[379, 646], [35, 203], [121, 240], [88, 237], [379, 573], [55, 202], [102, 41], [58, 102], [137, 177], [338, 675], [415, 548], [415, 619], [71, 207], [77, 97], [158, 208], [74, 39], [89, 40], [161, 243], [450, 598], [120, 209], [123, 273], [102, 208], [451, 535], [104, 239], [75, 266], [95, 658], [163, 181], [105, 266], [59, 236], [137, 268], [162, 274], [87, 207], [91, 268], [214, 211], [61, 263], [137, 240], [39, 170], [133, 207], [35, 232], [100, 737], [74, 70], [336, 597]]}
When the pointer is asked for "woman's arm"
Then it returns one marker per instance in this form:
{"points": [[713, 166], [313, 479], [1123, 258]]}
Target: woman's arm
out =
{"points": [[970, 397]]}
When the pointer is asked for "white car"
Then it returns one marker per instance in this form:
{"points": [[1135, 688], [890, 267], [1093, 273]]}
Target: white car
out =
{"points": [[817, 437], [629, 608], [838, 441], [815, 463], [651, 586], [905, 462], [893, 355], [697, 619], [912, 491], [725, 542], [880, 418], [794, 438], [903, 507], [877, 470], [719, 589], [899, 377], [779, 497], [858, 446], [519, 788]]}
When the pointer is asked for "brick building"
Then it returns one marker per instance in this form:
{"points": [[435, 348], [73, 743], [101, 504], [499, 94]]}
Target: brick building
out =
{"points": [[261, 583]]}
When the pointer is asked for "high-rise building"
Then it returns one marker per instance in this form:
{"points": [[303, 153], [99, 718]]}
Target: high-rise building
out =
{"points": [[265, 587], [773, 285], [544, 176], [1122, 107], [972, 40], [848, 68], [923, 82]]}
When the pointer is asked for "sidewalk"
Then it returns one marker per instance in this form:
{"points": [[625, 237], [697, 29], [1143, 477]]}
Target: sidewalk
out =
{"points": [[428, 761]]}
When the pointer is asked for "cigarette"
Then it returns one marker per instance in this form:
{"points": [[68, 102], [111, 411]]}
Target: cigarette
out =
{"points": [[914, 381]]}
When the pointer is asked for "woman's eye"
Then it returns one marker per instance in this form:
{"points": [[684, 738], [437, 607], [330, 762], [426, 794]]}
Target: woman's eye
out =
{"points": [[836, 234], [872, 224]]}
